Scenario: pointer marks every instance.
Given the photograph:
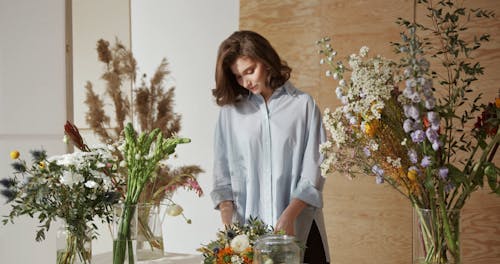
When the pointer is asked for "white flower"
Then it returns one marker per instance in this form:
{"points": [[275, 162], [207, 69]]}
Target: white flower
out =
{"points": [[322, 61], [342, 82], [269, 261], [91, 184], [335, 76], [123, 164], [328, 73], [174, 210], [240, 243], [235, 259], [69, 178], [363, 51]]}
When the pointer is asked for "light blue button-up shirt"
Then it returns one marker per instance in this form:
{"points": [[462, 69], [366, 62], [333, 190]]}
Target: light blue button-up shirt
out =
{"points": [[268, 154]]}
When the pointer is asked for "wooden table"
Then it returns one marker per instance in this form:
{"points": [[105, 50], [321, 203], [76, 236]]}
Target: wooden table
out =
{"points": [[170, 258]]}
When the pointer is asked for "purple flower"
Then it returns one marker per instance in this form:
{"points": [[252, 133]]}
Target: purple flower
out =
{"points": [[410, 83], [431, 135], [417, 136], [408, 125], [449, 187], [412, 155], [430, 103], [432, 116], [413, 112], [377, 170], [415, 98], [379, 179], [367, 152], [443, 173], [436, 145], [426, 162]]}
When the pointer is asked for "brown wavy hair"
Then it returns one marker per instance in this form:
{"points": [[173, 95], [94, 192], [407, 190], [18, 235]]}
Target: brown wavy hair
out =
{"points": [[250, 44]]}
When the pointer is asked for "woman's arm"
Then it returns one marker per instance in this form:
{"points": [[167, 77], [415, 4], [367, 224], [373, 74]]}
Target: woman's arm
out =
{"points": [[286, 222], [226, 212]]}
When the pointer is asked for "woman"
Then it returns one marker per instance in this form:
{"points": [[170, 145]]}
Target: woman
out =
{"points": [[267, 144]]}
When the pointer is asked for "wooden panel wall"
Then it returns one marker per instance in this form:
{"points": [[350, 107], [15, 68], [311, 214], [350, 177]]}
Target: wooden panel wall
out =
{"points": [[369, 223]]}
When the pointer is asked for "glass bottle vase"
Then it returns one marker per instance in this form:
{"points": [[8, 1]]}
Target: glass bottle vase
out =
{"points": [[73, 248], [150, 232], [436, 236], [124, 233]]}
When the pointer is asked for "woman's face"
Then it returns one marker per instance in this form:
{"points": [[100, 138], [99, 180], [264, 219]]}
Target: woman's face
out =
{"points": [[252, 75]]}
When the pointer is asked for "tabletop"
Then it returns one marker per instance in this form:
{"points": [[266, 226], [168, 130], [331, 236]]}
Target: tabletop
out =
{"points": [[170, 258]]}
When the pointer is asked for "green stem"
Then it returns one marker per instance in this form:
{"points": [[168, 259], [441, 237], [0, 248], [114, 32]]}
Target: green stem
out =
{"points": [[123, 240]]}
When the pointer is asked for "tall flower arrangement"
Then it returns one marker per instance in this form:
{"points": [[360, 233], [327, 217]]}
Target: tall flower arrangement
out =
{"points": [[151, 108], [407, 124], [142, 154]]}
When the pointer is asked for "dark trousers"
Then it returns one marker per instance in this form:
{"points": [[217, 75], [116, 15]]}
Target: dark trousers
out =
{"points": [[315, 253]]}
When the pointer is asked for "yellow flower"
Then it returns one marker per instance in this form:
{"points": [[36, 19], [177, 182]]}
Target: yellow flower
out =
{"points": [[14, 154], [370, 128], [412, 175], [41, 164]]}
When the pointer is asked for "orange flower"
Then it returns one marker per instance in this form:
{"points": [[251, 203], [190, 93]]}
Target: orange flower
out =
{"points": [[224, 255], [497, 102]]}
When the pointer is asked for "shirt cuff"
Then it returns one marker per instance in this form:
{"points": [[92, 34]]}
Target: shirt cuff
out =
{"points": [[306, 192], [221, 194]]}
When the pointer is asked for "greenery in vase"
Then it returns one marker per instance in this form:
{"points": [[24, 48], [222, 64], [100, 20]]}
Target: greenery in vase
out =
{"points": [[415, 127], [74, 187], [142, 155]]}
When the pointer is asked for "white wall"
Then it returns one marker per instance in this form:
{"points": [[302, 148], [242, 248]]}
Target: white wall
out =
{"points": [[188, 34], [33, 99], [32, 107]]}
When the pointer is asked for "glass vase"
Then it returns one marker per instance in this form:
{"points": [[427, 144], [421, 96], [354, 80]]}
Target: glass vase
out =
{"points": [[276, 249], [150, 232], [436, 236], [73, 246], [124, 233]]}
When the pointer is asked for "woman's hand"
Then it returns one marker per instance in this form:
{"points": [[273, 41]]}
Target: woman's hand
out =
{"points": [[286, 222], [226, 212]]}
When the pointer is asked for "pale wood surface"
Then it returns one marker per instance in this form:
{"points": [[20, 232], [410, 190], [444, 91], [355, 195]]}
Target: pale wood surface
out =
{"points": [[170, 258], [369, 223]]}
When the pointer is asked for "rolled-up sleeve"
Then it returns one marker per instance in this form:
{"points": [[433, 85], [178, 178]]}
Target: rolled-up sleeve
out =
{"points": [[222, 189], [310, 186]]}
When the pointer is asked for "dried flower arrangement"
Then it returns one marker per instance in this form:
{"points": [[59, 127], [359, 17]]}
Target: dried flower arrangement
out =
{"points": [[152, 107]]}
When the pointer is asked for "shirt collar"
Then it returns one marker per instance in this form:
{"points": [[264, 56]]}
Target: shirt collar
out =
{"points": [[287, 87]]}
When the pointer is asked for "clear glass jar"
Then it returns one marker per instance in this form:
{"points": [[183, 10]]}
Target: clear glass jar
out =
{"points": [[73, 248], [277, 249]]}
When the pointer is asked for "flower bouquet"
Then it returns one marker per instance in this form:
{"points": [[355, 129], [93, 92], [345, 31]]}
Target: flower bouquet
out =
{"points": [[142, 154], [234, 245], [413, 127], [74, 187]]}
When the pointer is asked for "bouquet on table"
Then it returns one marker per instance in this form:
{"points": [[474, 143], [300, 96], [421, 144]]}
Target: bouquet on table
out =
{"points": [[417, 129], [74, 187], [234, 245]]}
